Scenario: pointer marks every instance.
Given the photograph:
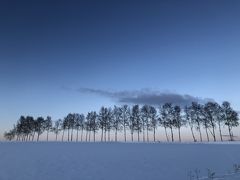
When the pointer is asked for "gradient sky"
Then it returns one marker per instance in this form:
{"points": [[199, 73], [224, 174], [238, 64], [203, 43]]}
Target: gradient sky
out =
{"points": [[50, 49]]}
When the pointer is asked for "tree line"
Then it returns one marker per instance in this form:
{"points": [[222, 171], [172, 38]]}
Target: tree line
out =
{"points": [[139, 120]]}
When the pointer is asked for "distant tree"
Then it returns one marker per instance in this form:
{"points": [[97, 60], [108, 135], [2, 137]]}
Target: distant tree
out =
{"points": [[88, 124], [163, 120], [57, 128], [230, 118], [109, 124], [189, 120], [205, 122], [70, 124], [125, 116], [19, 128], [48, 125], [195, 115], [167, 117], [148, 117], [88, 127], [24, 127], [144, 117], [178, 121], [132, 122], [40, 126], [92, 123], [34, 128], [153, 121], [79, 124], [64, 126], [31, 126], [10, 135], [102, 119], [219, 118], [210, 111], [117, 121], [135, 121]]}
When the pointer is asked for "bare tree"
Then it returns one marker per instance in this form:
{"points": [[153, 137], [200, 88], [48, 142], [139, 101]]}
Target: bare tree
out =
{"points": [[10, 135], [40, 126], [102, 118], [205, 121], [136, 121], [125, 115], [48, 125], [210, 109], [93, 125], [190, 121], [146, 124], [230, 118], [57, 128], [178, 120], [196, 117], [109, 124], [167, 117], [153, 121], [117, 121], [64, 127], [79, 124]]}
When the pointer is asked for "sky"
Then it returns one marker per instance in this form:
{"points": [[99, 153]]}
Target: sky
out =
{"points": [[58, 57]]}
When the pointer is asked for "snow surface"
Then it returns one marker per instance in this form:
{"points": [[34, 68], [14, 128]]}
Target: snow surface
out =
{"points": [[114, 161]]}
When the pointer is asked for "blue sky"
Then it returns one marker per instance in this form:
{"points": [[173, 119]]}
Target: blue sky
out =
{"points": [[48, 50]]}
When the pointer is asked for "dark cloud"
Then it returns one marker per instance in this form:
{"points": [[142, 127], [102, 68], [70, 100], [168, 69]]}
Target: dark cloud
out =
{"points": [[146, 96]]}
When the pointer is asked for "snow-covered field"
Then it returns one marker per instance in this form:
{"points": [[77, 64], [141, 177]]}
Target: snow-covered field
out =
{"points": [[114, 161]]}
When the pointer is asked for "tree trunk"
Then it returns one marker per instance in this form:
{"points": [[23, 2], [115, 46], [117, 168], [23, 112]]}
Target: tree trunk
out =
{"points": [[102, 135], [154, 134], [143, 132], [63, 134], [199, 129], [179, 135], [105, 135], [132, 134], [77, 135], [116, 135], [38, 137], [47, 134], [72, 135], [82, 134], [214, 136], [138, 135], [68, 134], [147, 135], [109, 136], [207, 135], [194, 139], [86, 135], [172, 134], [220, 130], [230, 134], [89, 136], [125, 136], [33, 136], [166, 134]]}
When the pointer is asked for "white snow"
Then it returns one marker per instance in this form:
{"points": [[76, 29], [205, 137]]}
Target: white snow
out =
{"points": [[114, 161]]}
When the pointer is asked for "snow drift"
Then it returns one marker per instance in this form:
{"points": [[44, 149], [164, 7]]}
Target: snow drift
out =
{"points": [[113, 161]]}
